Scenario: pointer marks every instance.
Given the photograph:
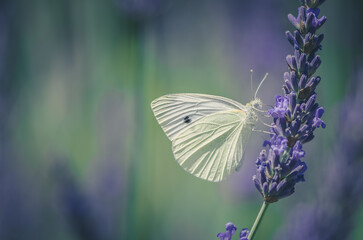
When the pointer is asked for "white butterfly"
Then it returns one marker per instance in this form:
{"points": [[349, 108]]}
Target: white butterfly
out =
{"points": [[209, 133]]}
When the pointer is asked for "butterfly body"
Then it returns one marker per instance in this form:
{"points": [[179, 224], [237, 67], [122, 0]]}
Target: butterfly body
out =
{"points": [[208, 133]]}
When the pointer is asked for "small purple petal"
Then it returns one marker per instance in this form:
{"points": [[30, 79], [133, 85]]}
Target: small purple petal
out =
{"points": [[299, 40], [278, 144], [297, 151], [317, 122], [281, 105], [303, 80], [244, 234], [302, 14], [290, 38], [293, 80], [294, 21], [310, 102]]}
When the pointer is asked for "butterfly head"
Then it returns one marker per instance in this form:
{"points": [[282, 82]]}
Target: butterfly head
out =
{"points": [[252, 108], [256, 103]]}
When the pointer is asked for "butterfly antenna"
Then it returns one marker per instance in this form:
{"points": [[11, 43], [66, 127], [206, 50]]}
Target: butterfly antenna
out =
{"points": [[258, 88], [251, 80]]}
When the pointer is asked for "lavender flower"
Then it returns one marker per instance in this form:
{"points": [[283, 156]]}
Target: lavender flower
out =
{"points": [[281, 104], [230, 230], [296, 115]]}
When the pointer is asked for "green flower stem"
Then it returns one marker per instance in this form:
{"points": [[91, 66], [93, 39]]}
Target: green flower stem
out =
{"points": [[258, 220]]}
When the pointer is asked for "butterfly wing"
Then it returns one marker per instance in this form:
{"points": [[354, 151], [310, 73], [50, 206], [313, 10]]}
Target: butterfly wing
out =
{"points": [[213, 147], [175, 112]]}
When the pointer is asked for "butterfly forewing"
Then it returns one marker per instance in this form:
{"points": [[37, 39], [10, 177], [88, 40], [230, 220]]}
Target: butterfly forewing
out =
{"points": [[175, 112], [213, 147]]}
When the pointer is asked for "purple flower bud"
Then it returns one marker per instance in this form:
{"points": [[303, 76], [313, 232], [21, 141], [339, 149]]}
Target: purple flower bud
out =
{"points": [[292, 100], [289, 86], [294, 21], [282, 124], [299, 40], [244, 234], [297, 151], [272, 187], [230, 230], [286, 76], [293, 80], [303, 80], [257, 182], [308, 138], [317, 122], [302, 65], [313, 66], [286, 90], [307, 37], [317, 23], [291, 61], [295, 126], [297, 54], [265, 188], [303, 130], [296, 172], [310, 103], [290, 38], [302, 14], [314, 83], [278, 144], [281, 185], [309, 21], [296, 111], [311, 45]]}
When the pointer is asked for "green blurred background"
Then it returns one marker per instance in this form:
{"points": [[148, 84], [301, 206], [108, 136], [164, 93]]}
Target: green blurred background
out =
{"points": [[82, 156]]}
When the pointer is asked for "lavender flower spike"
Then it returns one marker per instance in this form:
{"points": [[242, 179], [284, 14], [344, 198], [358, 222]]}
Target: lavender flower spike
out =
{"points": [[295, 115], [230, 230]]}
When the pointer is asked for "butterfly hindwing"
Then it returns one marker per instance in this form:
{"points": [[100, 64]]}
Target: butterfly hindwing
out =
{"points": [[175, 112], [213, 147]]}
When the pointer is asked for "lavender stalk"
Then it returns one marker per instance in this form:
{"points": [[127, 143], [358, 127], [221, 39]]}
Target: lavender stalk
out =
{"points": [[258, 220], [296, 115]]}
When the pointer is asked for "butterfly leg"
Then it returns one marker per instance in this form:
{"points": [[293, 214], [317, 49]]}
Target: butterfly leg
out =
{"points": [[259, 110], [261, 131], [268, 125]]}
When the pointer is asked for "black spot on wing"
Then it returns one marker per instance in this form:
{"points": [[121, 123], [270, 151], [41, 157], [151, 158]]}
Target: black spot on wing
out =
{"points": [[187, 119]]}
